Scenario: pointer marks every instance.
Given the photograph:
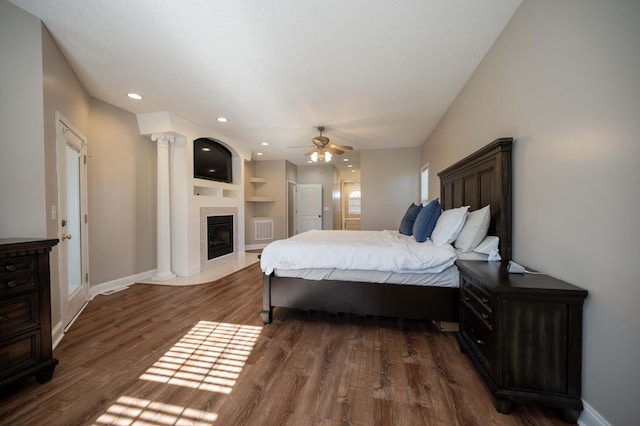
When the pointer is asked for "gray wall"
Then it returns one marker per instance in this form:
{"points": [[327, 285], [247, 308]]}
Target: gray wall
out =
{"points": [[22, 164], [563, 79], [390, 181], [122, 195]]}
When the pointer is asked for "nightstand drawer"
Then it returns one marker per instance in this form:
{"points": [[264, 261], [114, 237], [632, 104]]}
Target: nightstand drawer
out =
{"points": [[475, 306], [18, 314], [480, 339], [18, 274], [19, 353], [475, 288]]}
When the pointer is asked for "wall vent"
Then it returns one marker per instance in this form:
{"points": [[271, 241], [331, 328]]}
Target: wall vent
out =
{"points": [[264, 229]]}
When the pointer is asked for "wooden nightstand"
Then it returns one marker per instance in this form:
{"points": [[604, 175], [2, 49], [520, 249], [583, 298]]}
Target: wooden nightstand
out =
{"points": [[25, 310], [524, 335]]}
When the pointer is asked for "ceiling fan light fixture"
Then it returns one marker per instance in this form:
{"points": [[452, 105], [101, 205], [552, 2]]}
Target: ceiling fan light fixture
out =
{"points": [[327, 157], [314, 157]]}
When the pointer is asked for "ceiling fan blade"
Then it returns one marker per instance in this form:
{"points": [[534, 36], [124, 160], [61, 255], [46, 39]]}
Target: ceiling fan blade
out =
{"points": [[342, 147], [334, 150]]}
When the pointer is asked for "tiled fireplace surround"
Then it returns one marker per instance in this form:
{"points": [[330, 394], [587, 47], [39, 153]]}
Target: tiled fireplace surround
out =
{"points": [[205, 212]]}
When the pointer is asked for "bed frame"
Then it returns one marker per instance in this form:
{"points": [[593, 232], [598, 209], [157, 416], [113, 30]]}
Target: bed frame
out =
{"points": [[482, 178]]}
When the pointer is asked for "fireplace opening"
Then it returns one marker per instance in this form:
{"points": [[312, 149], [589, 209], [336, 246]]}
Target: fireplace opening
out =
{"points": [[219, 236]]}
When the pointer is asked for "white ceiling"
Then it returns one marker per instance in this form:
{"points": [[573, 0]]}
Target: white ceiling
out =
{"points": [[376, 73]]}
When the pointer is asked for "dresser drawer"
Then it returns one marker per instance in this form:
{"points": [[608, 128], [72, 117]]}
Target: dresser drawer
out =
{"points": [[18, 274], [480, 338], [19, 353], [19, 314], [475, 288], [476, 307]]}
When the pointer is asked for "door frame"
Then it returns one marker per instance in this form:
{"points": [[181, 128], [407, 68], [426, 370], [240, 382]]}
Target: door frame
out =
{"points": [[63, 126], [292, 207]]}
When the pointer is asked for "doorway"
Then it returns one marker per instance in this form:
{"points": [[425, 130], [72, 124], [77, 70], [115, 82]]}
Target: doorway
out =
{"points": [[72, 219], [351, 205], [291, 208]]}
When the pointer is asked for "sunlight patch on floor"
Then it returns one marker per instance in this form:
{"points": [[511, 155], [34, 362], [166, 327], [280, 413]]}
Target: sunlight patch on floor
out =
{"points": [[209, 357], [128, 411]]}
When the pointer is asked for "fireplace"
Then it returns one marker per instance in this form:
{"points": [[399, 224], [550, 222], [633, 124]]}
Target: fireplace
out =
{"points": [[219, 236]]}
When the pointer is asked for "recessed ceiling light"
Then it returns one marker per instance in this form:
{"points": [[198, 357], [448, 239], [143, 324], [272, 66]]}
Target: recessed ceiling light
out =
{"points": [[265, 144], [353, 171], [309, 161], [258, 153], [346, 159], [206, 149], [221, 119], [134, 96], [350, 165]]}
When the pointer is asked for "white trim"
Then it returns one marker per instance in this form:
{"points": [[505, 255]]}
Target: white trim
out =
{"points": [[120, 283], [256, 246], [75, 317], [64, 126], [590, 417], [57, 333]]}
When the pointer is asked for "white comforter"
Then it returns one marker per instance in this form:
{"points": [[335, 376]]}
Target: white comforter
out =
{"points": [[363, 250]]}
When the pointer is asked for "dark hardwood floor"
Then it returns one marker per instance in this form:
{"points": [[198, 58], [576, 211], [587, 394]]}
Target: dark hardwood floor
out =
{"points": [[161, 355]]}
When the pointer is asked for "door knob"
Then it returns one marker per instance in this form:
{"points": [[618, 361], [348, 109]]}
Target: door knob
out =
{"points": [[65, 237]]}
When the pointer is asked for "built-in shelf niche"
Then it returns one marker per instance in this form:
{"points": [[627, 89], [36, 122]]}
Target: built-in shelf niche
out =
{"points": [[205, 190], [231, 193], [258, 198]]}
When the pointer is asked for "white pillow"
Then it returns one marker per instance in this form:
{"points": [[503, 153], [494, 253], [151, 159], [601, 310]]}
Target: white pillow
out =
{"points": [[474, 230], [490, 246], [449, 225]]}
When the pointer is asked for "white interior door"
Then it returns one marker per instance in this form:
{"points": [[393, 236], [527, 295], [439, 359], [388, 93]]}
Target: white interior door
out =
{"points": [[309, 205], [72, 220]]}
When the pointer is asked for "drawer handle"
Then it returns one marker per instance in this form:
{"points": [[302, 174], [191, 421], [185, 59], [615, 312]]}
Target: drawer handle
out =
{"points": [[11, 268], [4, 318], [485, 316], [12, 283], [484, 300], [473, 334]]}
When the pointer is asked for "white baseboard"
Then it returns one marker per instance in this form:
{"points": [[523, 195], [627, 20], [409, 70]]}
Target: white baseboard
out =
{"points": [[591, 417], [57, 333], [256, 246], [119, 284]]}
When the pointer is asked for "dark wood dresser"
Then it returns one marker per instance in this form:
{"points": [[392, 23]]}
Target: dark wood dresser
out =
{"points": [[25, 310], [523, 332]]}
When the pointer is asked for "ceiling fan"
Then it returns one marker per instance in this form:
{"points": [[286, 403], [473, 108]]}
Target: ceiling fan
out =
{"points": [[323, 149]]}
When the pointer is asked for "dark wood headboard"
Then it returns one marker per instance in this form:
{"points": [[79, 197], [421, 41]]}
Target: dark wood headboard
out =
{"points": [[482, 178]]}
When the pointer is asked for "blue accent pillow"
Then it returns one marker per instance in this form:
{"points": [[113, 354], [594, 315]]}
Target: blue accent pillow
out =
{"points": [[406, 224], [426, 221]]}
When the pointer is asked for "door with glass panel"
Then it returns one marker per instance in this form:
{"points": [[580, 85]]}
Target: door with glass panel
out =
{"points": [[72, 220]]}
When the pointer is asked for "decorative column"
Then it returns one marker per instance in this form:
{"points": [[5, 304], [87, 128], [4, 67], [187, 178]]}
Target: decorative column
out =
{"points": [[163, 140]]}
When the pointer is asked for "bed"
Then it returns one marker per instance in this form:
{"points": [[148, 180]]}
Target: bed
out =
{"points": [[479, 179]]}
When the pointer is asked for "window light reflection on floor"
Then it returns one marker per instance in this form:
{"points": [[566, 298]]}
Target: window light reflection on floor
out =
{"points": [[128, 410], [209, 357]]}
